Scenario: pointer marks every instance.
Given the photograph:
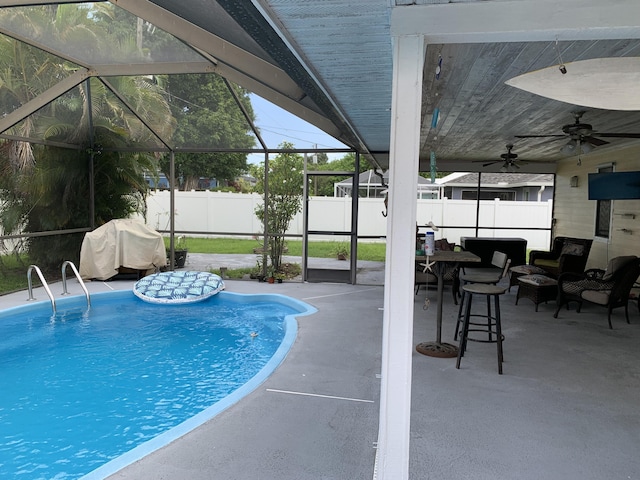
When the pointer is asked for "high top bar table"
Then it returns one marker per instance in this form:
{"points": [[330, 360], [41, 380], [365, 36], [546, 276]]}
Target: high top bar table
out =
{"points": [[440, 259]]}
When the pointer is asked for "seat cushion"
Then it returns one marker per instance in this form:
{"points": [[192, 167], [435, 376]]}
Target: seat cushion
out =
{"points": [[544, 263], [601, 297], [479, 275], [537, 279], [585, 284], [527, 270]]}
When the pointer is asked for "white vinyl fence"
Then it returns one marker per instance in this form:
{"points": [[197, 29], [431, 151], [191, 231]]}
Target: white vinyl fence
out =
{"points": [[234, 213]]}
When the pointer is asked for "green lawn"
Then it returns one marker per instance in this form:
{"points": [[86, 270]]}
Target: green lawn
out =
{"points": [[13, 274], [366, 251]]}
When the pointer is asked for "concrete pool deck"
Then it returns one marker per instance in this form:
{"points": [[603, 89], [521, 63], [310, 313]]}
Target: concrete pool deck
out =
{"points": [[565, 408]]}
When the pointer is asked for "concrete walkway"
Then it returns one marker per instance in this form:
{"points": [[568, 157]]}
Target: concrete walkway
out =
{"points": [[368, 273]]}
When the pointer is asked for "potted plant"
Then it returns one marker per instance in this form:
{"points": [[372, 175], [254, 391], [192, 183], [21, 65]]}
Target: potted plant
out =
{"points": [[341, 251], [257, 271], [180, 252], [271, 274]]}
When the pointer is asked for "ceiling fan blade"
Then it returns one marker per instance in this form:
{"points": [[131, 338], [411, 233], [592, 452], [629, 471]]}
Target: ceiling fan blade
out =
{"points": [[619, 135], [486, 163], [538, 136], [596, 142]]}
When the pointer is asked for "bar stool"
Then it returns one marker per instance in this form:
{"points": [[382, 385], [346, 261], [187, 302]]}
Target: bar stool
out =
{"points": [[492, 327], [490, 276]]}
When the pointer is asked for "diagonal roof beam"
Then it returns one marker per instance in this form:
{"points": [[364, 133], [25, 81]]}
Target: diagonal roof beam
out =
{"points": [[42, 46], [223, 51], [28, 3], [126, 103], [43, 99], [156, 68]]}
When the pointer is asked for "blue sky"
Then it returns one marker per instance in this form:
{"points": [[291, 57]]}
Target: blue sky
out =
{"points": [[277, 125]]}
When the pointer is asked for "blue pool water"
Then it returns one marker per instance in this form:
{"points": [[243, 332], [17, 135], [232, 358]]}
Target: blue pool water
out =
{"points": [[81, 388]]}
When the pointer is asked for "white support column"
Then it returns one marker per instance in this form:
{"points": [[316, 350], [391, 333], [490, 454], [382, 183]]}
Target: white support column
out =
{"points": [[397, 342]]}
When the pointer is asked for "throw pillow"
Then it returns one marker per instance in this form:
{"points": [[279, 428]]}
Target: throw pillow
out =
{"points": [[570, 248], [444, 245]]}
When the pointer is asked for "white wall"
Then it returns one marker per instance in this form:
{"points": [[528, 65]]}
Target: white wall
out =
{"points": [[234, 213], [575, 213]]}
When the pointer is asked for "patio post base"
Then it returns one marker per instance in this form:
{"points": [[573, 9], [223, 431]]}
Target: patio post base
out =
{"points": [[436, 349]]}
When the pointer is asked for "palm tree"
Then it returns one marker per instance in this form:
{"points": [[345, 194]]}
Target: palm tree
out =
{"points": [[46, 188]]}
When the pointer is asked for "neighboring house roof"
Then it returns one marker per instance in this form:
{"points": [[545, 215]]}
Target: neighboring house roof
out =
{"points": [[462, 179], [372, 179], [498, 180]]}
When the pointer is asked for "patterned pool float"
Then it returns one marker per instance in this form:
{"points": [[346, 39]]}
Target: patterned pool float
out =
{"points": [[178, 287]]}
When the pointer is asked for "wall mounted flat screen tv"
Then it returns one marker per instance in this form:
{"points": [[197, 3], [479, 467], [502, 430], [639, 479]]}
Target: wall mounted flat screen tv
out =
{"points": [[614, 186]]}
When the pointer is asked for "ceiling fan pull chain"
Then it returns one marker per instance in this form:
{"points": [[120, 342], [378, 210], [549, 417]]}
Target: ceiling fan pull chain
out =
{"points": [[561, 65]]}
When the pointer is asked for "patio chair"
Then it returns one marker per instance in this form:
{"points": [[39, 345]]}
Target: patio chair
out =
{"points": [[609, 288], [567, 255]]}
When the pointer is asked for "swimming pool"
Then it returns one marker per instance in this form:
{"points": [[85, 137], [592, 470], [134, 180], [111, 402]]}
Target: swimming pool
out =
{"points": [[87, 391]]}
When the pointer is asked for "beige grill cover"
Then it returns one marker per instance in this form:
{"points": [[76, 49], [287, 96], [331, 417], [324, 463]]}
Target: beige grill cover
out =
{"points": [[120, 243]]}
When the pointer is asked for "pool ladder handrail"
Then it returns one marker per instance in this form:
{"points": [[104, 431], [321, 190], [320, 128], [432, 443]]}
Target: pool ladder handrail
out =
{"points": [[45, 285], [69, 263]]}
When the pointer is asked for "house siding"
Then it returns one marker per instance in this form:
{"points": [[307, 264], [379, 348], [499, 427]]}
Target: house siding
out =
{"points": [[574, 213]]}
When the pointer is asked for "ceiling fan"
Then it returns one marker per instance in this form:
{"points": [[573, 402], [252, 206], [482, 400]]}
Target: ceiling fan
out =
{"points": [[581, 135], [508, 160]]}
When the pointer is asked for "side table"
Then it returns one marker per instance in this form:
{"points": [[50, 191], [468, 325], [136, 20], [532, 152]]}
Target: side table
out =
{"points": [[520, 270], [537, 288]]}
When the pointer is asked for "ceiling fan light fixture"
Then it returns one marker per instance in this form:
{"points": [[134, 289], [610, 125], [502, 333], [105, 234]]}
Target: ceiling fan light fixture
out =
{"points": [[569, 148], [586, 147]]}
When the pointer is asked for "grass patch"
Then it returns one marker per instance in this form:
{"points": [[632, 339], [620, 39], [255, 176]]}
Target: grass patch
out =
{"points": [[234, 274], [366, 251], [219, 245], [14, 273]]}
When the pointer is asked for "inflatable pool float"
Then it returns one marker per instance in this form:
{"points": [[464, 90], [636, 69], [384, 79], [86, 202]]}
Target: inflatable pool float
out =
{"points": [[178, 287]]}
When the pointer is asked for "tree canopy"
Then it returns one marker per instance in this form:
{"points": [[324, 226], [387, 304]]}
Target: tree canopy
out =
{"points": [[208, 117], [323, 186]]}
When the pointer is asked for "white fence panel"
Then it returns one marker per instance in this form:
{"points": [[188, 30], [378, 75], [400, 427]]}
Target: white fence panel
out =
{"points": [[205, 211], [235, 213], [371, 222], [329, 213]]}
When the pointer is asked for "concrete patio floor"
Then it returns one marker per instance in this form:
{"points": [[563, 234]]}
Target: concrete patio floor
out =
{"points": [[566, 406]]}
